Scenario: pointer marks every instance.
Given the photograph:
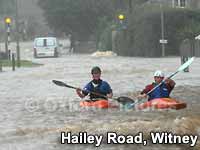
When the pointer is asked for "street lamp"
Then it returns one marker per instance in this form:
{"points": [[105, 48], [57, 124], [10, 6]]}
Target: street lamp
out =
{"points": [[121, 17], [7, 21]]}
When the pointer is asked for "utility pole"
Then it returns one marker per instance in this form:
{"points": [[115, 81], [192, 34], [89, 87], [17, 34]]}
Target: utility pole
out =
{"points": [[162, 29], [17, 35], [130, 6]]}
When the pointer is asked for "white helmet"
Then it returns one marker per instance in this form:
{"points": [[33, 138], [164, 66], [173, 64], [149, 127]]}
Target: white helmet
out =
{"points": [[159, 73]]}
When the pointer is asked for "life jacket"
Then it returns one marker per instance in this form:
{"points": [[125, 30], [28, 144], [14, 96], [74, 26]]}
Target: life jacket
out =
{"points": [[97, 88], [160, 92]]}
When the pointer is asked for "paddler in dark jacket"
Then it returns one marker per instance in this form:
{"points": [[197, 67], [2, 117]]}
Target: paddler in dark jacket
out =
{"points": [[97, 85], [163, 91]]}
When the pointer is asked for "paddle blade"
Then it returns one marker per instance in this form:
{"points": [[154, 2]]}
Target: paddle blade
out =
{"points": [[124, 100], [59, 83], [186, 64]]}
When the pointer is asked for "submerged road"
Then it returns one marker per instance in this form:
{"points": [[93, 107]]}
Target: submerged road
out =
{"points": [[34, 110]]}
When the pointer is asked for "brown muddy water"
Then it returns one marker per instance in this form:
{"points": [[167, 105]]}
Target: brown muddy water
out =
{"points": [[34, 111]]}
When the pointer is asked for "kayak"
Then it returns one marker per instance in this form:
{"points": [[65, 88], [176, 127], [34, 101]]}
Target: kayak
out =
{"points": [[102, 103], [163, 103]]}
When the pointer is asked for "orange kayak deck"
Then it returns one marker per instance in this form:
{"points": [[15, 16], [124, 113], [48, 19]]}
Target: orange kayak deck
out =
{"points": [[163, 103], [98, 104]]}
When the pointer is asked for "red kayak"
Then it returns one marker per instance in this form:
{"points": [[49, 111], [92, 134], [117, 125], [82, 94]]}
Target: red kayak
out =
{"points": [[163, 103], [98, 104]]}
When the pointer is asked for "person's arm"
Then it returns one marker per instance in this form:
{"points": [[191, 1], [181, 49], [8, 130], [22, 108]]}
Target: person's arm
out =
{"points": [[170, 84], [110, 93], [144, 92], [82, 93]]}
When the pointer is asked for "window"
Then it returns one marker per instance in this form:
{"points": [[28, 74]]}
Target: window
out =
{"points": [[39, 42], [50, 42], [176, 3], [179, 3], [45, 42], [182, 3]]}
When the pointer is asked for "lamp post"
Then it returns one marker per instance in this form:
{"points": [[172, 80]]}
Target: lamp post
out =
{"points": [[7, 40], [17, 35]]}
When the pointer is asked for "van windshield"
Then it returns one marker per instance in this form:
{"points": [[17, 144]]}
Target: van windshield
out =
{"points": [[45, 42]]}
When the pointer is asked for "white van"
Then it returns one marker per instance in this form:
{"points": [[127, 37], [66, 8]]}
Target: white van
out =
{"points": [[46, 47]]}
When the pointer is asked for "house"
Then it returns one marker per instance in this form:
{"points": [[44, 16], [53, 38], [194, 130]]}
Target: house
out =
{"points": [[179, 3], [186, 3]]}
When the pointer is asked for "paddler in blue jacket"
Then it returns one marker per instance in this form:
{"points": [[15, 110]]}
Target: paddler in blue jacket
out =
{"points": [[97, 85], [163, 91]]}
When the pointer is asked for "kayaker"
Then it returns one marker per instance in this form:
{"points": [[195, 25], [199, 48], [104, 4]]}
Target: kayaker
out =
{"points": [[163, 91], [97, 85]]}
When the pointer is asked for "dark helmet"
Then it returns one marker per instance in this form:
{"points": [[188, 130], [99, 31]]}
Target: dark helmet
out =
{"points": [[95, 69]]}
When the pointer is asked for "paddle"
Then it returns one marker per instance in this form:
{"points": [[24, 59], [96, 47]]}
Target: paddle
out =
{"points": [[124, 100], [181, 68]]}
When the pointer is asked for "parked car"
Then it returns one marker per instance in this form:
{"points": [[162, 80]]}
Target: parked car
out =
{"points": [[46, 47]]}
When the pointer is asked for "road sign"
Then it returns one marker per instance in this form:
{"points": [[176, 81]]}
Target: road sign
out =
{"points": [[163, 41]]}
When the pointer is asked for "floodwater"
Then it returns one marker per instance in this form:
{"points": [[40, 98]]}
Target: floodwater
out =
{"points": [[34, 110]]}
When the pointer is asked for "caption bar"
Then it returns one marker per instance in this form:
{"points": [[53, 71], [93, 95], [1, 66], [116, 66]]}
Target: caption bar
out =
{"points": [[114, 138]]}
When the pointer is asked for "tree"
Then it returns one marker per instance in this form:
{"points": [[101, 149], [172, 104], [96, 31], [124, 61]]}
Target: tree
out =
{"points": [[144, 31], [81, 18], [7, 7]]}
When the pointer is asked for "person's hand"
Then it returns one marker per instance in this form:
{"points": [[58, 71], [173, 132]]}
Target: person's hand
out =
{"points": [[78, 91], [142, 96], [109, 95]]}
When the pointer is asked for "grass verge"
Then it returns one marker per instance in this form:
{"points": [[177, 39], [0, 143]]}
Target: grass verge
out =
{"points": [[23, 63]]}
